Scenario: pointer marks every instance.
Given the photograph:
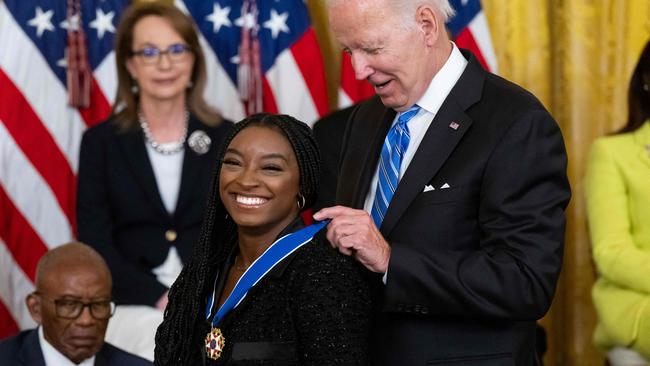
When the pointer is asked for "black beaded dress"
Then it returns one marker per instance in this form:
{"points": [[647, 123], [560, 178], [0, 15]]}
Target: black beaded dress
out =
{"points": [[312, 308]]}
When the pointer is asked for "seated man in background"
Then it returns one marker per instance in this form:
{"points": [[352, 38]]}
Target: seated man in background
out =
{"points": [[72, 305]]}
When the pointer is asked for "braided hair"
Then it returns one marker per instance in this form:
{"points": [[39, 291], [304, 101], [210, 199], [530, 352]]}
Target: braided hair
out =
{"points": [[179, 338]]}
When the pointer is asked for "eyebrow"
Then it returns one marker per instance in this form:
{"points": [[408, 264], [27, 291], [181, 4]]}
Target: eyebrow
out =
{"points": [[149, 44], [265, 157], [76, 297]]}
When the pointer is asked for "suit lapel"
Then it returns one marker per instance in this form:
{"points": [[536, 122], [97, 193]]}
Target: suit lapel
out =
{"points": [[102, 357], [192, 168], [371, 161], [31, 353], [438, 143], [135, 153], [363, 146]]}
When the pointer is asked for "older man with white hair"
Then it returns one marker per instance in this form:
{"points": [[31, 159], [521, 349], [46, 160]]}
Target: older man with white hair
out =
{"points": [[452, 188]]}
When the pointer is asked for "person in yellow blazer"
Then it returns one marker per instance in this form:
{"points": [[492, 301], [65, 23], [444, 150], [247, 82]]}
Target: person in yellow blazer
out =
{"points": [[618, 209]]}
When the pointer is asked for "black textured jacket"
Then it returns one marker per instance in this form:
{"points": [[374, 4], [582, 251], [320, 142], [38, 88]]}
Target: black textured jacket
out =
{"points": [[313, 308]]}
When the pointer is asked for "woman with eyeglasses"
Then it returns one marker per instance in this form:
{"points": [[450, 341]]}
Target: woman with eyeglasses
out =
{"points": [[144, 173]]}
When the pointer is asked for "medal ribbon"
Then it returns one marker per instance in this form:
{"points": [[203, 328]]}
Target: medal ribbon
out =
{"points": [[273, 255]]}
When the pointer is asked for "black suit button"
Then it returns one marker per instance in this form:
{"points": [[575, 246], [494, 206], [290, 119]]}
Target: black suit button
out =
{"points": [[424, 311], [171, 235]]}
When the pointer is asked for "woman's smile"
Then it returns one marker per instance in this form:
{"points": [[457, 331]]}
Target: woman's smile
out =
{"points": [[250, 201]]}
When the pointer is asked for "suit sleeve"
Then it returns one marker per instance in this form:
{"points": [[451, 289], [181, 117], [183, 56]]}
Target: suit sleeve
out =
{"points": [[513, 258], [131, 285], [617, 257]]}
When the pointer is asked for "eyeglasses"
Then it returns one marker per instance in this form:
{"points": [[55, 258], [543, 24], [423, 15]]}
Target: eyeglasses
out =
{"points": [[71, 309], [150, 55]]}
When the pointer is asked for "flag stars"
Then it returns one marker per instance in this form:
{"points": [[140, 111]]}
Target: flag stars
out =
{"points": [[247, 21], [219, 17], [277, 23], [71, 24], [64, 61], [103, 22], [42, 21]]}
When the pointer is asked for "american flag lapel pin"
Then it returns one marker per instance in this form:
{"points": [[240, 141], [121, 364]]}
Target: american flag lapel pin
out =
{"points": [[454, 125]]}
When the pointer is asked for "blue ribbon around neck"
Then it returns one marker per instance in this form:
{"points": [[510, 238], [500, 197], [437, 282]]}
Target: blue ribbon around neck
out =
{"points": [[273, 255]]}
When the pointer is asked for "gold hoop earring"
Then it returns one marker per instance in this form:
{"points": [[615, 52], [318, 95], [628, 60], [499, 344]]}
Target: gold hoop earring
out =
{"points": [[301, 201]]}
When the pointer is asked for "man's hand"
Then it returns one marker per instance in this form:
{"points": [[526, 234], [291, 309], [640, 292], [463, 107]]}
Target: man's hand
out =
{"points": [[354, 233]]}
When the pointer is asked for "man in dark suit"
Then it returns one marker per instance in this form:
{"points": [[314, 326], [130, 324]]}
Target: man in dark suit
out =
{"points": [[72, 305], [452, 188]]}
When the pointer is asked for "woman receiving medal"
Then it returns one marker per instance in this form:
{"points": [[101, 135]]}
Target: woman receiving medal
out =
{"points": [[261, 288]]}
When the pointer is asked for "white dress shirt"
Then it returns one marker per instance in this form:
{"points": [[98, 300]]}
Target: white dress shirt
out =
{"points": [[168, 170], [430, 103], [53, 357]]}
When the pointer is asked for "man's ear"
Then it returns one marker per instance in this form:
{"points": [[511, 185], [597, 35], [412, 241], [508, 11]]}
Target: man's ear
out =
{"points": [[429, 24], [33, 303]]}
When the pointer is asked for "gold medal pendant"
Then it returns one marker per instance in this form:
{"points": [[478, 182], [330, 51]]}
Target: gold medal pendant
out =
{"points": [[214, 343]]}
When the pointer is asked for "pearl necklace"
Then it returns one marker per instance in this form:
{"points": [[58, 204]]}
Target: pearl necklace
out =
{"points": [[168, 148]]}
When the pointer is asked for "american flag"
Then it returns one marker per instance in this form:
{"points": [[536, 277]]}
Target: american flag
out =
{"points": [[40, 133], [469, 29], [293, 77]]}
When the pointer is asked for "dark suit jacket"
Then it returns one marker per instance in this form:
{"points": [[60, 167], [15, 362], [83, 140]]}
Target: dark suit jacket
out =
{"points": [[24, 349], [120, 212], [474, 265]]}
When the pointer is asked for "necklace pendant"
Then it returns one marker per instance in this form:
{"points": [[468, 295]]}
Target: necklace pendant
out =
{"points": [[214, 343]]}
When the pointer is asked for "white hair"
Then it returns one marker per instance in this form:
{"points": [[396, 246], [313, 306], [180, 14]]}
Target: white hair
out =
{"points": [[408, 7]]}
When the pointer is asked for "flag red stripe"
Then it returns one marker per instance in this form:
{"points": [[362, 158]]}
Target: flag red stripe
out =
{"points": [[357, 90], [306, 52], [466, 40], [99, 108], [268, 99], [20, 238], [38, 146], [9, 326]]}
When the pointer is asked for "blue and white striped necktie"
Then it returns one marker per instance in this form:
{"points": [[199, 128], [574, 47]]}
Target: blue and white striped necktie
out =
{"points": [[392, 153]]}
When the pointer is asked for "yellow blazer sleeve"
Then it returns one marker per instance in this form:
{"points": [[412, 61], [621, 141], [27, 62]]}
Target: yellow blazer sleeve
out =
{"points": [[617, 257]]}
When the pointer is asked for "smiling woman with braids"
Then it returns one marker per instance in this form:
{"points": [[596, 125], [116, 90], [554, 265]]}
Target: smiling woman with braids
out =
{"points": [[261, 288]]}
